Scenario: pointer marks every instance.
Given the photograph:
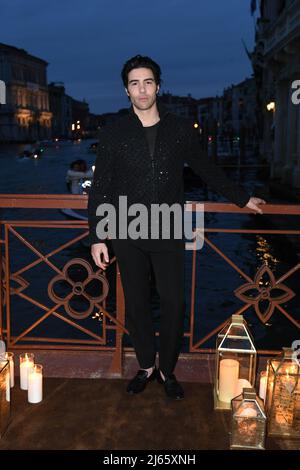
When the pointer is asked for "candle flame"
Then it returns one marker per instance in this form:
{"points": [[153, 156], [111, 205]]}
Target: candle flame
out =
{"points": [[290, 370]]}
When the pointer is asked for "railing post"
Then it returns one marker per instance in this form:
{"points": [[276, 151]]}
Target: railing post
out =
{"points": [[6, 276], [1, 286]]}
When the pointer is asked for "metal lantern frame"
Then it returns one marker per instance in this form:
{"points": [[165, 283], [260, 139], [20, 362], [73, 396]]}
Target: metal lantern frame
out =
{"points": [[248, 421], [4, 396], [282, 401], [235, 342]]}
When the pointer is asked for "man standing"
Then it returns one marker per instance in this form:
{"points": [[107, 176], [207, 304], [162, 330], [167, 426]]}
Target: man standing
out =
{"points": [[141, 156]]}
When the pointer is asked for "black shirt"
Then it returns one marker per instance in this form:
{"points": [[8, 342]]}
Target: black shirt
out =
{"points": [[151, 133]]}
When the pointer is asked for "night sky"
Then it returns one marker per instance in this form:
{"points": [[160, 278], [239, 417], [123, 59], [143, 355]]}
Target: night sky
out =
{"points": [[196, 42]]}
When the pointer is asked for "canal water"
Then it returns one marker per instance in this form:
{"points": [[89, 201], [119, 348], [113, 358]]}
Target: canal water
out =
{"points": [[216, 280]]}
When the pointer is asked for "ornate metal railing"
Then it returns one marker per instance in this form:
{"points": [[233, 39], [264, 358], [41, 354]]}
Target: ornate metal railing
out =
{"points": [[40, 291]]}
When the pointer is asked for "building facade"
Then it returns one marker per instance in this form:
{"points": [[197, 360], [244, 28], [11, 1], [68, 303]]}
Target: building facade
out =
{"points": [[26, 115], [276, 60], [208, 113], [239, 112], [181, 105], [61, 109], [80, 118]]}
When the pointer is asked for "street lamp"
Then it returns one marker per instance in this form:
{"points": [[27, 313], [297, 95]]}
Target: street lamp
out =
{"points": [[271, 106]]}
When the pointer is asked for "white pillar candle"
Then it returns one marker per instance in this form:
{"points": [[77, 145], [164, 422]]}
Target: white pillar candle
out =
{"points": [[7, 385], [10, 357], [26, 362], [263, 385], [248, 412], [242, 383], [269, 393], [229, 374], [247, 427], [35, 384]]}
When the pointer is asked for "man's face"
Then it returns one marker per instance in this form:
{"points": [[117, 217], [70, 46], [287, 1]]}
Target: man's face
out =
{"points": [[142, 88]]}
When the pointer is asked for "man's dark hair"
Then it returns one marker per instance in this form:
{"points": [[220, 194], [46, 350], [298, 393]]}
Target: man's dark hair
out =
{"points": [[79, 162], [138, 62], [73, 164]]}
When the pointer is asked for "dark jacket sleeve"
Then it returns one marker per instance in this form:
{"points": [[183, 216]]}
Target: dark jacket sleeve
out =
{"points": [[210, 173], [102, 186]]}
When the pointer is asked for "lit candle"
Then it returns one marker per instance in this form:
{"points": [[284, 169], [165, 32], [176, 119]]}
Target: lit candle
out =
{"points": [[242, 383], [7, 386], [229, 374], [285, 399], [10, 357], [269, 393], [35, 384], [247, 426], [263, 385], [248, 412], [26, 362]]}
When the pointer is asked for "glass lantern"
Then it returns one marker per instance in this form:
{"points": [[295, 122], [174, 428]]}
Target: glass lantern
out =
{"points": [[283, 396], [248, 425], [4, 396], [235, 362]]}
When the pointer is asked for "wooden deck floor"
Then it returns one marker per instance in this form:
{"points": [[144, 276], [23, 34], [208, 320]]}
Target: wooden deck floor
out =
{"points": [[98, 414]]}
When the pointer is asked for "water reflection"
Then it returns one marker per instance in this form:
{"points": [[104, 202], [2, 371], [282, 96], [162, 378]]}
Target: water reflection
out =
{"points": [[265, 254]]}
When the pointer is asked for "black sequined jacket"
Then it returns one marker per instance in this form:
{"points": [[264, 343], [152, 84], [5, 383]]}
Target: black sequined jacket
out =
{"points": [[124, 167]]}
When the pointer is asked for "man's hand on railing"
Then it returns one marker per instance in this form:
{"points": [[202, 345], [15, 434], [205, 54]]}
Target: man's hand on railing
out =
{"points": [[99, 252], [254, 203]]}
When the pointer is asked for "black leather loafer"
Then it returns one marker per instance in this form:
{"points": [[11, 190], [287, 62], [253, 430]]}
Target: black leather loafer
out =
{"points": [[139, 382], [172, 388]]}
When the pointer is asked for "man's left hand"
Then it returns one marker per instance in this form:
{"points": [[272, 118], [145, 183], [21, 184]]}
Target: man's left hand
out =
{"points": [[254, 203]]}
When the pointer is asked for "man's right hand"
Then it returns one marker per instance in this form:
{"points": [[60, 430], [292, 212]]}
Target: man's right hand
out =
{"points": [[100, 256]]}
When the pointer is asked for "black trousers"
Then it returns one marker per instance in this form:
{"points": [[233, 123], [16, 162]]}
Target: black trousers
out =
{"points": [[135, 259]]}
